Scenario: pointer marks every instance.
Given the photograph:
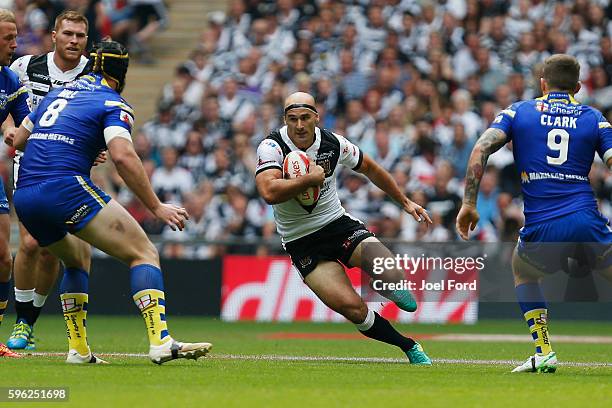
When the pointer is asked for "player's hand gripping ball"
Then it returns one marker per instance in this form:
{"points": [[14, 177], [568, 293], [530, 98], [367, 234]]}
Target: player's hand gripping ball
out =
{"points": [[297, 164]]}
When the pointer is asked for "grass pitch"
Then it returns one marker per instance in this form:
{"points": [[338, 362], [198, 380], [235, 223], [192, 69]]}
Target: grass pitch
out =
{"points": [[306, 364]]}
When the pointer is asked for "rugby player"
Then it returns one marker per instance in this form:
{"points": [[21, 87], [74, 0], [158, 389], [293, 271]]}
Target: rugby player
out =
{"points": [[64, 211], [35, 270], [554, 142], [321, 239], [13, 100]]}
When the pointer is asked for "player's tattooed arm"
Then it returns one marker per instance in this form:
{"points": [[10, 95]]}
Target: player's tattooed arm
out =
{"points": [[489, 142]]}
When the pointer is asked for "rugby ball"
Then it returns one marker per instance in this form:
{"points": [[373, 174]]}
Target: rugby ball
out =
{"points": [[297, 164]]}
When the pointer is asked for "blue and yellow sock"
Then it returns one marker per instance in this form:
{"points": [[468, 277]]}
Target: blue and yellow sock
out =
{"points": [[74, 298], [4, 292], [534, 309], [147, 286]]}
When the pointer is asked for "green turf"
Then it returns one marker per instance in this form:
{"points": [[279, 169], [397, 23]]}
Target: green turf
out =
{"points": [[222, 382]]}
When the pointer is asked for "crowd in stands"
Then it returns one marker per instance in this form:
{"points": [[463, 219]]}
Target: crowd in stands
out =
{"points": [[412, 82], [132, 22]]}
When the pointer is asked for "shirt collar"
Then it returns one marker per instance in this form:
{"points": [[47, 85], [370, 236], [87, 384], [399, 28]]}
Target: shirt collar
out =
{"points": [[563, 97]]}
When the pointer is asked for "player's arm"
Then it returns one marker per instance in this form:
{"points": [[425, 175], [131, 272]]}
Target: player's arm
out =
{"points": [[605, 140], [491, 141], [130, 169], [274, 189], [8, 130], [383, 180], [21, 136]]}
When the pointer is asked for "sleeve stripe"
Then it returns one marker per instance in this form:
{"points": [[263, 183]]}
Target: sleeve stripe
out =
{"points": [[509, 112], [603, 125], [15, 94], [607, 155], [271, 166], [120, 105]]}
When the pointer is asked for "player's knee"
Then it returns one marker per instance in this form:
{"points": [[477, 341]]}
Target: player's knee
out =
{"points": [[46, 256], [354, 311], [146, 253], [28, 245]]}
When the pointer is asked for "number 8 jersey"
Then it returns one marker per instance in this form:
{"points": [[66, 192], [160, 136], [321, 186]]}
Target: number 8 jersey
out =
{"points": [[69, 129], [554, 140]]}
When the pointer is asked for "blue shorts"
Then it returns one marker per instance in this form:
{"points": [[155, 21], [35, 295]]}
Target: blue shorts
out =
{"points": [[4, 205], [53, 208], [585, 233]]}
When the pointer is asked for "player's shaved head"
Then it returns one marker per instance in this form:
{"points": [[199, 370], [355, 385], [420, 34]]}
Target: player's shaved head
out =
{"points": [[301, 118], [300, 100], [299, 97], [561, 72]]}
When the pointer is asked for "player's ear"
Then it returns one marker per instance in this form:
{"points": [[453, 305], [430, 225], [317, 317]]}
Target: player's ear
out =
{"points": [[578, 87], [543, 86], [53, 35]]}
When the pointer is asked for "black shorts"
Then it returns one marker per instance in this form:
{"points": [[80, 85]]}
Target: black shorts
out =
{"points": [[334, 242]]}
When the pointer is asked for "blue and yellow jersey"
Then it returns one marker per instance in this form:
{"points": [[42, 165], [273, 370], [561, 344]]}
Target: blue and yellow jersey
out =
{"points": [[70, 127], [13, 97], [554, 141]]}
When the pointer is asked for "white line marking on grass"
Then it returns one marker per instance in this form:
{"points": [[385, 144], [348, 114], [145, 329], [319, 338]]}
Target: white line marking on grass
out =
{"points": [[274, 357], [519, 338]]}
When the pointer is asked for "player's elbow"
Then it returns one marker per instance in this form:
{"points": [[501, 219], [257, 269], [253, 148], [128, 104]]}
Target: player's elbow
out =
{"points": [[269, 196], [123, 159]]}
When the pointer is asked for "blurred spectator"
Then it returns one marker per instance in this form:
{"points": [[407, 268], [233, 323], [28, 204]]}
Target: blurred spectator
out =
{"points": [[149, 16], [170, 182]]}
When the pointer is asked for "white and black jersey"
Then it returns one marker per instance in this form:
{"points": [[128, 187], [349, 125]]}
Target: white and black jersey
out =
{"points": [[40, 75], [329, 150]]}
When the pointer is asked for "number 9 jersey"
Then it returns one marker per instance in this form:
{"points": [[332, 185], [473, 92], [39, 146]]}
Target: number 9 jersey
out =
{"points": [[554, 141], [69, 129]]}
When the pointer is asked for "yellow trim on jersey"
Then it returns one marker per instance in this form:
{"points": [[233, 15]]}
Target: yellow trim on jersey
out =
{"points": [[90, 190], [88, 78], [572, 100], [604, 125], [509, 112], [15, 94], [121, 105]]}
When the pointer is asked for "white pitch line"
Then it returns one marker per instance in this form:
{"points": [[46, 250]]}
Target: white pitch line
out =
{"points": [[519, 338], [274, 357]]}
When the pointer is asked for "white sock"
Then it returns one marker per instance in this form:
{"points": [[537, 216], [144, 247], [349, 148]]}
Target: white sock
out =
{"points": [[39, 300], [368, 322], [24, 295]]}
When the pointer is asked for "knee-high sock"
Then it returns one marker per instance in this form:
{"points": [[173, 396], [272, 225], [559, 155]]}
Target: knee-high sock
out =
{"points": [[147, 288], [379, 328], [74, 298], [534, 309]]}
